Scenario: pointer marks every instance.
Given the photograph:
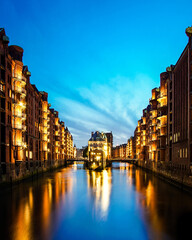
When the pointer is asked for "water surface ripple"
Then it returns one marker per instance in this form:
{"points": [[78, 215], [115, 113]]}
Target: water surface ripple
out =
{"points": [[122, 202]]}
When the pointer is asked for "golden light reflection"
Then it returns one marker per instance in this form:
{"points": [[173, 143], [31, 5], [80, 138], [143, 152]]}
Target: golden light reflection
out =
{"points": [[100, 185], [123, 167], [46, 207], [147, 198], [51, 194], [23, 219], [130, 174], [75, 166]]}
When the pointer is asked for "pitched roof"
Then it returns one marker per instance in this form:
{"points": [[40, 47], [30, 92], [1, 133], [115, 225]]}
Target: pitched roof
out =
{"points": [[97, 136]]}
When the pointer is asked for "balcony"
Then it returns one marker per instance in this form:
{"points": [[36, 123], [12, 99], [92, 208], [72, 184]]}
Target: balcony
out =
{"points": [[163, 134], [152, 100], [56, 127], [2, 94], [57, 138], [17, 126], [24, 115], [19, 78], [23, 91], [161, 114], [154, 139], [19, 104], [44, 110], [44, 117], [17, 115], [20, 90], [17, 143], [44, 132], [161, 106], [24, 128]]}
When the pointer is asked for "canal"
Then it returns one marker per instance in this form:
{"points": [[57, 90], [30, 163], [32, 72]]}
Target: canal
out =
{"points": [[122, 202]]}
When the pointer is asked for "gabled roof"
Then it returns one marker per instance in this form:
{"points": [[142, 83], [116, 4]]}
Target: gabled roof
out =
{"points": [[97, 136]]}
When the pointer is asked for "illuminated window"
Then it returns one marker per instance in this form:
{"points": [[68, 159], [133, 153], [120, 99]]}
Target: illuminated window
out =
{"points": [[180, 153]]}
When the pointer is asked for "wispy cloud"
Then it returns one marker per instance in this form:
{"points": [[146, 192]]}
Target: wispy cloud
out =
{"points": [[115, 107]]}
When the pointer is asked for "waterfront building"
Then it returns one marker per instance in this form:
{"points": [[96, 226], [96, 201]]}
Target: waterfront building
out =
{"points": [[32, 122], [130, 148], [31, 133], [151, 131], [79, 153], [120, 151], [74, 152], [116, 152], [138, 140], [179, 143], [153, 135], [6, 146], [144, 135], [43, 127], [51, 137], [18, 94], [62, 139], [123, 150], [162, 116], [110, 143], [56, 136], [98, 147], [69, 144], [147, 133], [166, 122]]}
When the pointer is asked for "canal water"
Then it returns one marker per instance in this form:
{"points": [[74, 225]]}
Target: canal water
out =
{"points": [[122, 202]]}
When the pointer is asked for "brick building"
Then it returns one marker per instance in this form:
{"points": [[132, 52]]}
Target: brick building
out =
{"points": [[31, 133], [168, 125]]}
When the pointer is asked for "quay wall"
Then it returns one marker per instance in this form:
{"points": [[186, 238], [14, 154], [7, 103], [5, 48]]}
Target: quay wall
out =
{"points": [[23, 170], [181, 178]]}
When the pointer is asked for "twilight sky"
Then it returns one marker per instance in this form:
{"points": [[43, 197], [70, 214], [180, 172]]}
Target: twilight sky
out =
{"points": [[97, 59]]}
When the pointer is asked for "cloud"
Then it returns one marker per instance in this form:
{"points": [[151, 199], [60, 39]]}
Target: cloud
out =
{"points": [[115, 107]]}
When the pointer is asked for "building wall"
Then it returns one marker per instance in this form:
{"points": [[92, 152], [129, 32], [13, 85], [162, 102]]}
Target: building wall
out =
{"points": [[99, 147], [5, 105], [169, 127], [31, 133], [120, 151], [110, 143], [19, 105], [162, 116], [182, 114], [32, 121]]}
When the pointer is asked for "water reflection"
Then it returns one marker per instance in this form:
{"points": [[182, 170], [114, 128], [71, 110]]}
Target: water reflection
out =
{"points": [[161, 206], [23, 218], [118, 203], [99, 185], [147, 202], [32, 207]]}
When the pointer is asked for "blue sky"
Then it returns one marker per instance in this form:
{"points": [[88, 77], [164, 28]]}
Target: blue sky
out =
{"points": [[97, 59]]}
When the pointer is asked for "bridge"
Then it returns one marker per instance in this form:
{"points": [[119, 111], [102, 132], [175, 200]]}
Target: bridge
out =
{"points": [[126, 160]]}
